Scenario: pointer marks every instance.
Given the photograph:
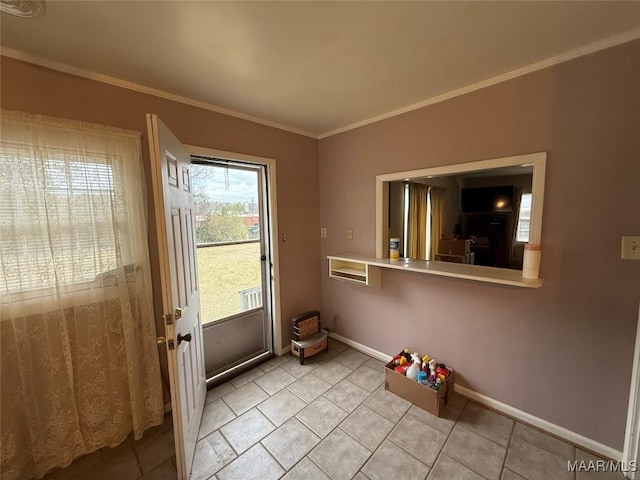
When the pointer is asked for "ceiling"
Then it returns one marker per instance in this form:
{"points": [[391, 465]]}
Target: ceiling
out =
{"points": [[313, 67]]}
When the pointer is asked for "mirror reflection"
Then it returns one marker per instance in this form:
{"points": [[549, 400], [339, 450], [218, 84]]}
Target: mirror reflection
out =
{"points": [[479, 218]]}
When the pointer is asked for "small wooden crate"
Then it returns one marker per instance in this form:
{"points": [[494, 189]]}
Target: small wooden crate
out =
{"points": [[308, 337]]}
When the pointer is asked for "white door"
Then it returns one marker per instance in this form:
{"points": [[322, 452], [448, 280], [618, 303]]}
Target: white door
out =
{"points": [[170, 169]]}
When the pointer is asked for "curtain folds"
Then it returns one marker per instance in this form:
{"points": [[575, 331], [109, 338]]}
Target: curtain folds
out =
{"points": [[80, 368], [437, 219], [417, 242]]}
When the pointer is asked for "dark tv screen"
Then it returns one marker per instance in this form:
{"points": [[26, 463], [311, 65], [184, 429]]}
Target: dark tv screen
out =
{"points": [[487, 199]]}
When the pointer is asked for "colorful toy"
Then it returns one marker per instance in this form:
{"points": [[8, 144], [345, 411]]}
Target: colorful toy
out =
{"points": [[424, 370], [425, 362], [405, 353]]}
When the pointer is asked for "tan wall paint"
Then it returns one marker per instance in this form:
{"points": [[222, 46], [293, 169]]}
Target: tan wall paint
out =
{"points": [[34, 89], [563, 352]]}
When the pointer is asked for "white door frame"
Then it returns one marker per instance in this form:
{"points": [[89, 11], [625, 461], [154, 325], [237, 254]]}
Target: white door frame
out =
{"points": [[272, 202], [631, 452]]}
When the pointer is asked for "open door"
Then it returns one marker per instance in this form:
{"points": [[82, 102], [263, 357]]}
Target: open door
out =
{"points": [[170, 169]]}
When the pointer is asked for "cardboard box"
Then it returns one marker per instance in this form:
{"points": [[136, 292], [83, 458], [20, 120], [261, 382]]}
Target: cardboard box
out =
{"points": [[307, 348], [454, 247], [425, 397]]}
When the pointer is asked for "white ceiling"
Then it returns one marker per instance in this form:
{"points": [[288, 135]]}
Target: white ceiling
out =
{"points": [[315, 67]]}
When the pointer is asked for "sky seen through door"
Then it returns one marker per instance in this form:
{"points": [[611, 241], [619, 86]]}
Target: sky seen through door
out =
{"points": [[227, 212]]}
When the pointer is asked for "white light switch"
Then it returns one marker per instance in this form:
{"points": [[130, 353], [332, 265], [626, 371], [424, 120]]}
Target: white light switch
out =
{"points": [[323, 232], [631, 248], [349, 233]]}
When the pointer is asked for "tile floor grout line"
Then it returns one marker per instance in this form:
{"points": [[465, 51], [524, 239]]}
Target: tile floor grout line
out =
{"points": [[225, 402], [135, 454], [541, 447], [375, 450], [224, 437], [338, 427], [238, 455], [492, 411], [411, 454], [271, 455], [442, 452], [386, 437], [506, 453]]}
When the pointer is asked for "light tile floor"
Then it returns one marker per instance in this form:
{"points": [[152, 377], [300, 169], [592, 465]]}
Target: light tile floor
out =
{"points": [[332, 419], [150, 458]]}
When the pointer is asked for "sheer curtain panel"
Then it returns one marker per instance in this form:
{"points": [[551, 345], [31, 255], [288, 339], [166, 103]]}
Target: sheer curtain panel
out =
{"points": [[80, 367]]}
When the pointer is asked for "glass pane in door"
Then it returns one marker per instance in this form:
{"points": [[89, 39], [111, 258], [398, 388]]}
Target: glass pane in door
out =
{"points": [[228, 236]]}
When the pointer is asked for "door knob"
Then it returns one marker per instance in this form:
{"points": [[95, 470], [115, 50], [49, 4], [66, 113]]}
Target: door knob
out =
{"points": [[186, 338], [161, 340]]}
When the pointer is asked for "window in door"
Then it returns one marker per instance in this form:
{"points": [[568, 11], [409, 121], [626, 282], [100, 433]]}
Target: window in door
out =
{"points": [[229, 226]]}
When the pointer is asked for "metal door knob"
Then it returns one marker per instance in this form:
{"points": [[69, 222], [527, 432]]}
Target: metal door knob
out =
{"points": [[186, 338]]}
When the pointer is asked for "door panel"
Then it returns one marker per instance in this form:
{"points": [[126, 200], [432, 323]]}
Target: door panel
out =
{"points": [[234, 340], [170, 163]]}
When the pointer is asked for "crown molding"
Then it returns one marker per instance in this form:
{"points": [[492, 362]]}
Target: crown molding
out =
{"points": [[117, 82], [548, 62]]}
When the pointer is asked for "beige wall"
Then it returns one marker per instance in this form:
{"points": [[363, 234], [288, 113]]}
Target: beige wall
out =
{"points": [[38, 90], [562, 352]]}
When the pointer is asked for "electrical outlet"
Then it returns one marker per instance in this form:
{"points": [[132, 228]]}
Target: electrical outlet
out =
{"points": [[349, 233], [631, 248], [323, 232]]}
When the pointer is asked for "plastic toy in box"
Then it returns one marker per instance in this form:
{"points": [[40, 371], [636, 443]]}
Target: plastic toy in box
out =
{"points": [[421, 380]]}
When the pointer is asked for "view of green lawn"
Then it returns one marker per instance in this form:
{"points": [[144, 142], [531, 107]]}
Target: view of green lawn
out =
{"points": [[224, 271]]}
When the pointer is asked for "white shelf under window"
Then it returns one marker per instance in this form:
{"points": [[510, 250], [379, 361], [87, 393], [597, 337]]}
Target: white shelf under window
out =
{"points": [[363, 270]]}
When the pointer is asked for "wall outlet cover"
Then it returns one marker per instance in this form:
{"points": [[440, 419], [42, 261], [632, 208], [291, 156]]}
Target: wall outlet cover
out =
{"points": [[631, 248]]}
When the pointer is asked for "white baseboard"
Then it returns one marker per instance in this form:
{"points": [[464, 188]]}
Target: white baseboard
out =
{"points": [[556, 430], [539, 423], [285, 350], [362, 348]]}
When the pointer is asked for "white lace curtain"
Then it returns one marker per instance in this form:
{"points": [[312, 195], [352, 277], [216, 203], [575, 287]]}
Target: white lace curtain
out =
{"points": [[80, 367]]}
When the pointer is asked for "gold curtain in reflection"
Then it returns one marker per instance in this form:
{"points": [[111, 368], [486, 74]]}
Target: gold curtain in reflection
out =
{"points": [[437, 219], [417, 243]]}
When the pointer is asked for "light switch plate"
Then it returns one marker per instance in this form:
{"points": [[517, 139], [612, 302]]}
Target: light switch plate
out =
{"points": [[323, 232], [631, 248], [349, 233]]}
